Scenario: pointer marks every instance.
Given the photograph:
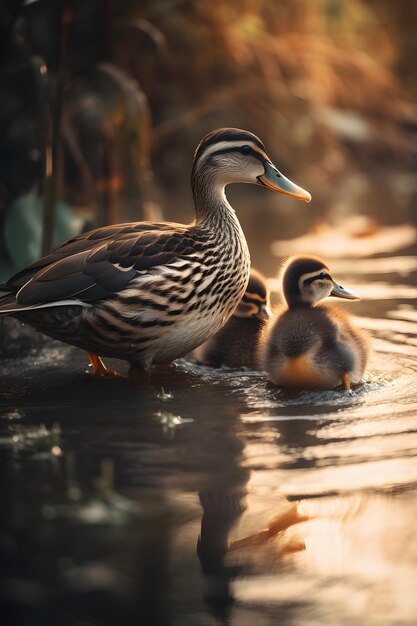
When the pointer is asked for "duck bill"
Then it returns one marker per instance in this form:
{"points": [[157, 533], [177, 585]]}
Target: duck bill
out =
{"points": [[264, 312], [274, 180], [340, 292]]}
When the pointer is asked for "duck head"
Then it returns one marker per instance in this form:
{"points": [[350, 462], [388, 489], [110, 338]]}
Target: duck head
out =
{"points": [[232, 155], [307, 280], [255, 303]]}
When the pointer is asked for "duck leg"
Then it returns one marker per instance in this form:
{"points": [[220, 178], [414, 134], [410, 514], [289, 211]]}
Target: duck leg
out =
{"points": [[99, 369], [345, 382], [141, 372]]}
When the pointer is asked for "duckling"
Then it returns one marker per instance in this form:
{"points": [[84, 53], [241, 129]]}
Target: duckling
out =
{"points": [[311, 345], [150, 292], [236, 344]]}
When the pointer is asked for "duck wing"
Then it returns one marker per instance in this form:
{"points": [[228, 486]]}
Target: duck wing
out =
{"points": [[88, 241], [99, 264]]}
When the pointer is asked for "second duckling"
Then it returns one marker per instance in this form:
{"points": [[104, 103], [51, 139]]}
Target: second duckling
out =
{"points": [[310, 345], [236, 344]]}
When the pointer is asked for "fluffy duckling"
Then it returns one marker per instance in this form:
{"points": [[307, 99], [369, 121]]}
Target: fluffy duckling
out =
{"points": [[310, 345], [236, 344]]}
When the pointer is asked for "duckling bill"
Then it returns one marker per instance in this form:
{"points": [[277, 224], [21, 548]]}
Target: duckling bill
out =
{"points": [[235, 345], [310, 345]]}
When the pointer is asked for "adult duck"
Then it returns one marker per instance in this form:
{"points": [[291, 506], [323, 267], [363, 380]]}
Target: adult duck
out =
{"points": [[150, 292]]}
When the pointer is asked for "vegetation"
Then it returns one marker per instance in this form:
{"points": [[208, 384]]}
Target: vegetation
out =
{"points": [[328, 85]]}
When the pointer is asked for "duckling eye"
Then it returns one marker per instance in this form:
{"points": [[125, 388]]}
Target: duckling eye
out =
{"points": [[322, 275], [245, 149]]}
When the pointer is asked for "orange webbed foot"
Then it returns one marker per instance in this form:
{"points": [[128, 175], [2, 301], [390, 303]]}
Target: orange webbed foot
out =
{"points": [[100, 370]]}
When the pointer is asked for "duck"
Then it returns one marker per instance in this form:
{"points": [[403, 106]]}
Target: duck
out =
{"points": [[309, 344], [236, 344], [150, 292]]}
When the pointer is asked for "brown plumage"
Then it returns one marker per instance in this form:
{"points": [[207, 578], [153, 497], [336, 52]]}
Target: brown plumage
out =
{"points": [[310, 345], [151, 292], [236, 344]]}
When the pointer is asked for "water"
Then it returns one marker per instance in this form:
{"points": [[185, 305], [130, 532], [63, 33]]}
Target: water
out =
{"points": [[123, 505]]}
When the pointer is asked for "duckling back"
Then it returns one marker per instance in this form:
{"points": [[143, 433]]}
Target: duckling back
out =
{"points": [[236, 344], [308, 347]]}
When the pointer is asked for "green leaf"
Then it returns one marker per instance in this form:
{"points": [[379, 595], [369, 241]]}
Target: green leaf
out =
{"points": [[23, 228]]}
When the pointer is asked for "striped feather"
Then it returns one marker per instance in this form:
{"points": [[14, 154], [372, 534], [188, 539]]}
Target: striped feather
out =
{"points": [[149, 292]]}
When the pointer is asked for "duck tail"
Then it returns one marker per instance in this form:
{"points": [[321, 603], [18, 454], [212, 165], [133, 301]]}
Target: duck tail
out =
{"points": [[8, 302]]}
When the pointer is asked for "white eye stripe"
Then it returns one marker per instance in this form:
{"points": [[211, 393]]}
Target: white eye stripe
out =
{"points": [[315, 274], [224, 145]]}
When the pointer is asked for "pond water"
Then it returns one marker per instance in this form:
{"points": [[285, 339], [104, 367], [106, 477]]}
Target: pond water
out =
{"points": [[209, 497]]}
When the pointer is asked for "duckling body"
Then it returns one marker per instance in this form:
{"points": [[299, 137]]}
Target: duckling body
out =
{"points": [[311, 345], [236, 344], [150, 292]]}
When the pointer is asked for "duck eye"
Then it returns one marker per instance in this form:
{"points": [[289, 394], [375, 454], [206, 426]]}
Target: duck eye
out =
{"points": [[245, 149], [322, 275]]}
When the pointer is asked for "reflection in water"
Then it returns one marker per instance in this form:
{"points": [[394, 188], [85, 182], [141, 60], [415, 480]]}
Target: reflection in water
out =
{"points": [[355, 237], [221, 510], [396, 266], [356, 565], [404, 313], [289, 517], [233, 501]]}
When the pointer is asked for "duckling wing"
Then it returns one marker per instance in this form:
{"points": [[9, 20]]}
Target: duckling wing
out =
{"points": [[99, 264]]}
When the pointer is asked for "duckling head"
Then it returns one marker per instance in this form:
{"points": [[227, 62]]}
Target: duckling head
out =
{"points": [[232, 155], [306, 280], [255, 303]]}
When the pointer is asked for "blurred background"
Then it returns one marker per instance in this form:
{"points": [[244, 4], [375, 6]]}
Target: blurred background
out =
{"points": [[102, 104], [118, 504]]}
